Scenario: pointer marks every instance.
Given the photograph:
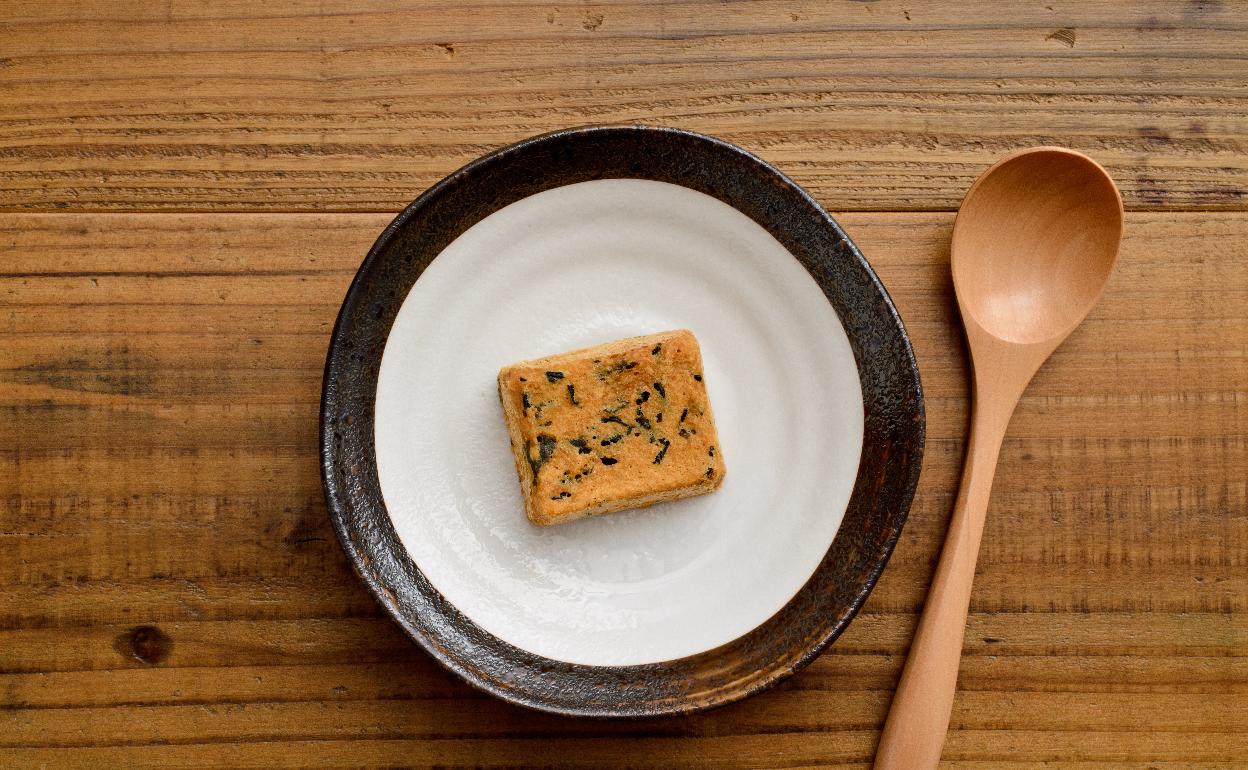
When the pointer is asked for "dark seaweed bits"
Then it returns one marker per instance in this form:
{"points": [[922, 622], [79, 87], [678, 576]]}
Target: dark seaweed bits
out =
{"points": [[615, 420], [683, 415], [644, 397], [561, 496], [545, 450], [662, 452], [658, 417], [642, 420], [572, 395], [545, 447], [658, 388], [581, 445], [697, 377], [684, 433], [615, 368], [609, 461], [524, 399], [710, 472], [654, 351], [554, 376], [711, 451]]}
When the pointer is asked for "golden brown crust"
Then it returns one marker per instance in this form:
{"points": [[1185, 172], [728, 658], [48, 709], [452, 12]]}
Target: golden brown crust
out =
{"points": [[622, 425]]}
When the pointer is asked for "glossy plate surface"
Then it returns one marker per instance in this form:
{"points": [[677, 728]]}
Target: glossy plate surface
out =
{"points": [[589, 263]]}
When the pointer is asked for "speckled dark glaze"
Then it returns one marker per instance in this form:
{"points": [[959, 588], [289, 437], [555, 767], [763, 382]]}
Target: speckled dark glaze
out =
{"points": [[888, 473]]}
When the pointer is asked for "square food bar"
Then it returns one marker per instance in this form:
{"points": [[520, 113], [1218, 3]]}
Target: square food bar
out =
{"points": [[622, 425]]}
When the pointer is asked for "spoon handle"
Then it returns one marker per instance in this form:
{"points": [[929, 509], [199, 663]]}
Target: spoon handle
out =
{"points": [[919, 717]]}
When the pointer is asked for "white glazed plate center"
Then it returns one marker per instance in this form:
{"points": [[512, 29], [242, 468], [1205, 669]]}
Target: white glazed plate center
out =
{"points": [[576, 266]]}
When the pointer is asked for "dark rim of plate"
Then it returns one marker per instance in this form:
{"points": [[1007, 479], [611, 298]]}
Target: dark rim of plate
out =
{"points": [[887, 475]]}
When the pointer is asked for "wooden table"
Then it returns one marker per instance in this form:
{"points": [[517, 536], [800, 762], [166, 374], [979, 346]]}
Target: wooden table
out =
{"points": [[188, 188]]}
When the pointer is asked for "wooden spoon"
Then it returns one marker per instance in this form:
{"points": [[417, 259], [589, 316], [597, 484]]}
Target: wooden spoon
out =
{"points": [[1033, 246]]}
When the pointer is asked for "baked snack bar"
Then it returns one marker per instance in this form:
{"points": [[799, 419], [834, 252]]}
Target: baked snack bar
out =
{"points": [[621, 425]]}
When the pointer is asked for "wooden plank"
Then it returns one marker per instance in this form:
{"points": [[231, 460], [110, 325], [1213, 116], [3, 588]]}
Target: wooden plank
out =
{"points": [[788, 711], [412, 675], [359, 106], [840, 750], [240, 641], [159, 440]]}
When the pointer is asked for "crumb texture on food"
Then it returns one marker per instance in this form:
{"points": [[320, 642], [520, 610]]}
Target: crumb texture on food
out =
{"points": [[621, 425]]}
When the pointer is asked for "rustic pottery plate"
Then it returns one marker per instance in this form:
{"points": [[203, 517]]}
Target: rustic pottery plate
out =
{"points": [[575, 238]]}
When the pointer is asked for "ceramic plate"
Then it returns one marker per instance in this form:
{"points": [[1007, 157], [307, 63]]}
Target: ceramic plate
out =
{"points": [[581, 237]]}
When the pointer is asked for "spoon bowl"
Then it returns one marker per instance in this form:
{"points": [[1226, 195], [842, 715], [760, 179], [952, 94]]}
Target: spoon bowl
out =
{"points": [[1034, 243]]}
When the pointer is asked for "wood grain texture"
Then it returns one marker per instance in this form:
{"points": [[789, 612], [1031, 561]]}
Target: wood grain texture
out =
{"points": [[357, 106], [171, 594]]}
